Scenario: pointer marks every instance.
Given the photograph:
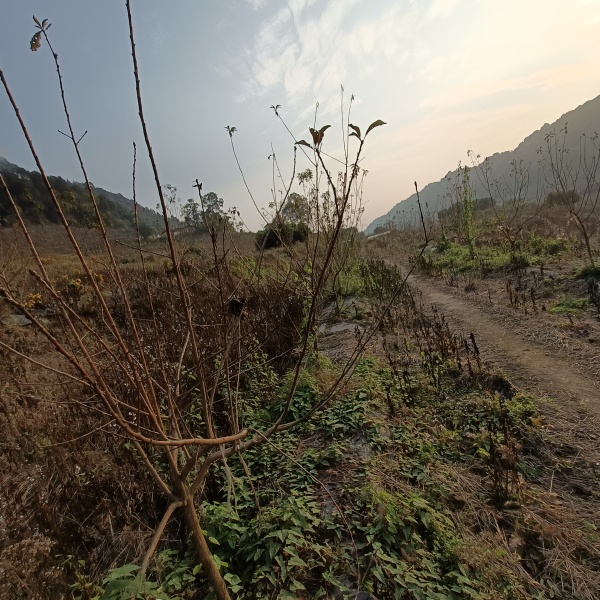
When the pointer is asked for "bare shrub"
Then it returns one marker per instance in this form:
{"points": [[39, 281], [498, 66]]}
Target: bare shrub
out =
{"points": [[158, 355]]}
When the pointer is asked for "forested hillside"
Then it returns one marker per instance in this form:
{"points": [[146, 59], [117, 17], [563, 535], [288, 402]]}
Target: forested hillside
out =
{"points": [[30, 194]]}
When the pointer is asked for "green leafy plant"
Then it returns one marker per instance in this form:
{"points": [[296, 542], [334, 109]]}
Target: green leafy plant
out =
{"points": [[569, 306], [127, 582]]}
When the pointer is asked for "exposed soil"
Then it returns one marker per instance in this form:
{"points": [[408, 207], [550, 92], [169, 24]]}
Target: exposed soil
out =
{"points": [[535, 354]]}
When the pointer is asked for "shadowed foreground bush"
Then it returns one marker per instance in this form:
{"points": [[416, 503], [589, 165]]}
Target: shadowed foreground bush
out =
{"points": [[281, 235]]}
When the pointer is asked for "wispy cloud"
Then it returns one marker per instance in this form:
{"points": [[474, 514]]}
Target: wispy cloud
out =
{"points": [[475, 95], [478, 71], [445, 74], [257, 4], [308, 49]]}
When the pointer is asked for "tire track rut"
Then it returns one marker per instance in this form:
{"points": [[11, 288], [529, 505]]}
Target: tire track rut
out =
{"points": [[544, 370]]}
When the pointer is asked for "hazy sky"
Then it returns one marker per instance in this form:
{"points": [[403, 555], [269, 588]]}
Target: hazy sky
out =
{"points": [[446, 75]]}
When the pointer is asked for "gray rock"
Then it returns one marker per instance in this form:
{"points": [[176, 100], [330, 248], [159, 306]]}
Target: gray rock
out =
{"points": [[16, 320]]}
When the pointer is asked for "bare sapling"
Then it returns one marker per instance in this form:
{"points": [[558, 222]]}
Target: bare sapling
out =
{"points": [[330, 204], [165, 355], [426, 232], [574, 183], [514, 203]]}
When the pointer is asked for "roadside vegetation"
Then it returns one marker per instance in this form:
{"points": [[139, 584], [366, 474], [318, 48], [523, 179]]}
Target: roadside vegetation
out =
{"points": [[536, 256]]}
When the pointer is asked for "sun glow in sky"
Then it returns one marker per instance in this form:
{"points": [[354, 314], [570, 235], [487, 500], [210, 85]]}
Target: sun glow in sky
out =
{"points": [[446, 75]]}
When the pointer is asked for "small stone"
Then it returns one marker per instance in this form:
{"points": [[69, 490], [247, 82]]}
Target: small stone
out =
{"points": [[18, 320]]}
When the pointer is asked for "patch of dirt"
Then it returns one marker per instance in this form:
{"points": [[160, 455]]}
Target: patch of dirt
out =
{"points": [[527, 348], [338, 334]]}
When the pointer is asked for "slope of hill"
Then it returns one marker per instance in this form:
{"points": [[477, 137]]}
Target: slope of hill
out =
{"points": [[29, 193], [585, 119]]}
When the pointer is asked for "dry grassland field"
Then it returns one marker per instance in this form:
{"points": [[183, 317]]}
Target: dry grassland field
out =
{"points": [[460, 452], [193, 410]]}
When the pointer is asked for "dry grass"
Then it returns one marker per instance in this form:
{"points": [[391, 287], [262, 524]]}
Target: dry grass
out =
{"points": [[69, 485]]}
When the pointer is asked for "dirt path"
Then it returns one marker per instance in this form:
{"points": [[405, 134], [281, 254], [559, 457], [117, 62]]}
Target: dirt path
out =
{"points": [[543, 369]]}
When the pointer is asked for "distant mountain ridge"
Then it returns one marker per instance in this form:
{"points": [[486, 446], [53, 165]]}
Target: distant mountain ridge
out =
{"points": [[31, 196], [585, 119]]}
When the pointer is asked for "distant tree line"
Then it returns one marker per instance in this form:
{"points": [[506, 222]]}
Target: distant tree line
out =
{"points": [[289, 226], [202, 216]]}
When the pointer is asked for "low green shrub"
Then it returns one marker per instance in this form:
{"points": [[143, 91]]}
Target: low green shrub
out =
{"points": [[568, 306], [588, 272]]}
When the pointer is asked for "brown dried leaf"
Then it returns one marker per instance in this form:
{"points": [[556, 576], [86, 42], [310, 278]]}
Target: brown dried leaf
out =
{"points": [[36, 41]]}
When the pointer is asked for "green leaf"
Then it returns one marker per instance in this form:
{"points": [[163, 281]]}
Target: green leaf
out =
{"points": [[258, 554], [378, 573], [296, 561], [377, 123], [219, 562], [272, 550], [232, 578], [589, 525], [296, 585], [115, 589], [121, 572], [130, 588]]}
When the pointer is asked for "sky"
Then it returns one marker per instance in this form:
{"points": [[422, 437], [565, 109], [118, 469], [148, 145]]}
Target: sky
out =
{"points": [[447, 76]]}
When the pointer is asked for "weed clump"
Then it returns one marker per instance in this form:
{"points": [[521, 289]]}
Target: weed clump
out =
{"points": [[569, 306]]}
